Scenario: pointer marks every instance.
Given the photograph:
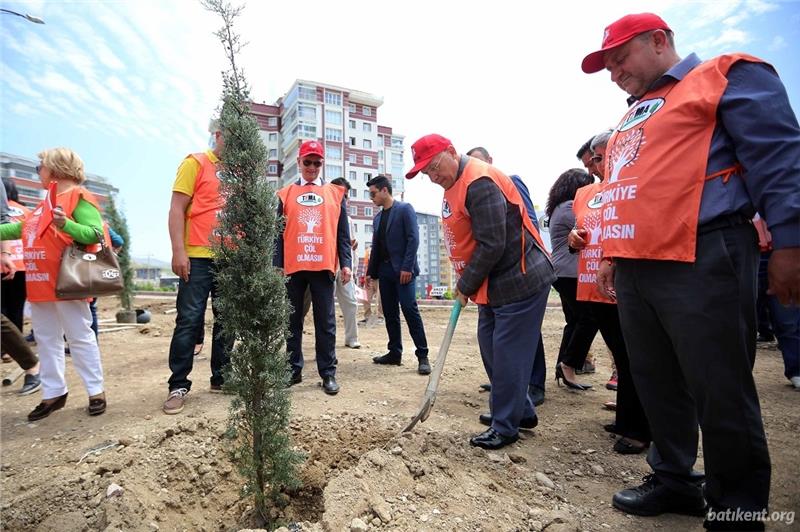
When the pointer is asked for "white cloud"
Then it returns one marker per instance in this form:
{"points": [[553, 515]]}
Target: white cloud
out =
{"points": [[22, 109], [778, 43], [17, 82], [51, 80]]}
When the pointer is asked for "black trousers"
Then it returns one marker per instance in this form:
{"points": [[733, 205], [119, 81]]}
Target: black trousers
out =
{"points": [[690, 329], [581, 327], [630, 417], [321, 286], [13, 298]]}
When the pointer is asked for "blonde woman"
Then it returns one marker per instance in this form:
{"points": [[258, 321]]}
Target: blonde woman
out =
{"points": [[76, 216]]}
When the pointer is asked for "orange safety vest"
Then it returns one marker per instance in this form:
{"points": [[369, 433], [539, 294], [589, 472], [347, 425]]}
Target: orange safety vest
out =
{"points": [[587, 208], [43, 255], [312, 223], [656, 166], [17, 213], [206, 203], [457, 223]]}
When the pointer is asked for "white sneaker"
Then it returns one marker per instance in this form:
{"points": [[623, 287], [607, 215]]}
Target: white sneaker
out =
{"points": [[796, 382], [353, 345]]}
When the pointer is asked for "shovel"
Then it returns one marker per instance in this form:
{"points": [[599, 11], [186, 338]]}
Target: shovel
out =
{"points": [[433, 381]]}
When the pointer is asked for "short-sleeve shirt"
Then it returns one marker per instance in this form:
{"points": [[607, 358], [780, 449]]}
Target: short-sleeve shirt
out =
{"points": [[184, 183]]}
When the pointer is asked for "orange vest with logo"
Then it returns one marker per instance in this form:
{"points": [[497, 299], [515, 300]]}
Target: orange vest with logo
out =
{"points": [[206, 203], [43, 255], [17, 213], [587, 208], [457, 223], [312, 223], [656, 166]]}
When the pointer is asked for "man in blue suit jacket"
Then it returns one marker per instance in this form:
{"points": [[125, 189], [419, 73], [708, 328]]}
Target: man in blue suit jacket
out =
{"points": [[393, 262]]}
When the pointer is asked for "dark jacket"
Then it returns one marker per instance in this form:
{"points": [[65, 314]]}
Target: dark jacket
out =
{"points": [[402, 240]]}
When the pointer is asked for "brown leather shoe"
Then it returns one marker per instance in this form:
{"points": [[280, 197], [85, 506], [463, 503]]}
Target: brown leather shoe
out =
{"points": [[45, 409], [174, 403], [97, 405]]}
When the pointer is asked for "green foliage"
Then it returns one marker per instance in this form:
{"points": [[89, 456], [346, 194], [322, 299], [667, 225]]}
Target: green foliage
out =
{"points": [[117, 221], [447, 295], [252, 305]]}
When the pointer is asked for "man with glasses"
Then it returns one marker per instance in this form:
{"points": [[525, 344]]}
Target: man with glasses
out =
{"points": [[503, 267], [314, 242], [393, 263]]}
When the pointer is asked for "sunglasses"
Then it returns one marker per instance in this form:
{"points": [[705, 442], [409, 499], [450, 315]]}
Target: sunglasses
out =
{"points": [[309, 162], [38, 168], [597, 158]]}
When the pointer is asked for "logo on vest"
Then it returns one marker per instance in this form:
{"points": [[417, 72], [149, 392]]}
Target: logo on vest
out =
{"points": [[89, 256], [596, 202], [110, 273], [311, 218], [15, 212], [446, 212], [640, 113], [310, 199], [624, 152]]}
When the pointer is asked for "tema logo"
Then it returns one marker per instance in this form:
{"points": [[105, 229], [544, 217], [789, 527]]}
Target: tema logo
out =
{"points": [[89, 256], [640, 113], [309, 199], [596, 202]]}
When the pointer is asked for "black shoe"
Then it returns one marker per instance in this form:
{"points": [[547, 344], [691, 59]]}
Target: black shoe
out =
{"points": [[43, 409], [491, 439], [765, 338], [329, 385], [625, 446], [610, 427], [424, 367], [654, 498], [536, 394], [295, 378], [486, 387], [97, 406], [389, 359], [574, 385], [524, 423]]}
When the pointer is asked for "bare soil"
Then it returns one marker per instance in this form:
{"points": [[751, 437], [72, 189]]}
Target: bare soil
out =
{"points": [[360, 473]]}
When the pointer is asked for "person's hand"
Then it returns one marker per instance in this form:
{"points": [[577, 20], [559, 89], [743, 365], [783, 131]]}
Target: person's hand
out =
{"points": [[784, 276], [461, 298], [346, 275], [353, 244], [59, 218], [605, 279], [405, 277], [577, 238], [7, 266], [180, 264]]}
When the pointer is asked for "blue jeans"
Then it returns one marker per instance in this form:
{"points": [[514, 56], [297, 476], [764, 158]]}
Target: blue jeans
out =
{"points": [[192, 300], [505, 336], [393, 294], [786, 327]]}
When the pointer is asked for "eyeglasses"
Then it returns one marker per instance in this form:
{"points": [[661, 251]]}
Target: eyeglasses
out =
{"points": [[38, 168], [597, 158], [373, 193], [434, 167], [309, 162]]}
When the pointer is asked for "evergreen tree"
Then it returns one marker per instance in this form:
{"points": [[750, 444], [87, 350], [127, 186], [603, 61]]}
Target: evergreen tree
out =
{"points": [[117, 221], [251, 293]]}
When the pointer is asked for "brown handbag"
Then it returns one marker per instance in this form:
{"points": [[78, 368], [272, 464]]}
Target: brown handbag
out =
{"points": [[86, 273]]}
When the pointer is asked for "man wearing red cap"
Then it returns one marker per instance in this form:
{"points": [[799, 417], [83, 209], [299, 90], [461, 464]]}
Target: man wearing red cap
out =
{"points": [[314, 243], [502, 266], [702, 147]]}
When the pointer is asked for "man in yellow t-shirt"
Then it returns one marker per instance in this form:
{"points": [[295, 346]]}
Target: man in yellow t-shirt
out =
{"points": [[192, 221]]}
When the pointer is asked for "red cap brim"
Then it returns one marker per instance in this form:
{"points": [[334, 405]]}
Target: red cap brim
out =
{"points": [[594, 62], [419, 166]]}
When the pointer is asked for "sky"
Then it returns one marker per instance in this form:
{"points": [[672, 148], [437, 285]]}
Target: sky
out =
{"points": [[131, 85]]}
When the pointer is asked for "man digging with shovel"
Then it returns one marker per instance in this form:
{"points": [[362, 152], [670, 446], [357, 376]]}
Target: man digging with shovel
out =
{"points": [[486, 230]]}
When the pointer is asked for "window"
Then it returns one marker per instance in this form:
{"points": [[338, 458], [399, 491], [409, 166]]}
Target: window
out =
{"points": [[308, 93], [367, 176], [307, 131], [367, 111], [332, 171], [367, 144], [367, 160], [273, 137], [272, 121], [333, 117], [367, 211], [273, 153], [272, 169], [353, 158], [333, 98], [352, 176], [333, 152], [368, 229], [309, 112], [397, 158], [352, 141], [397, 142], [354, 194], [367, 126], [355, 227], [366, 194], [352, 124], [353, 208], [30, 192], [334, 135], [352, 108]]}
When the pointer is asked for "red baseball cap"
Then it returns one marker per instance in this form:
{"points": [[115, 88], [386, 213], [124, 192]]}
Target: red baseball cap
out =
{"points": [[311, 147], [425, 149], [618, 33]]}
